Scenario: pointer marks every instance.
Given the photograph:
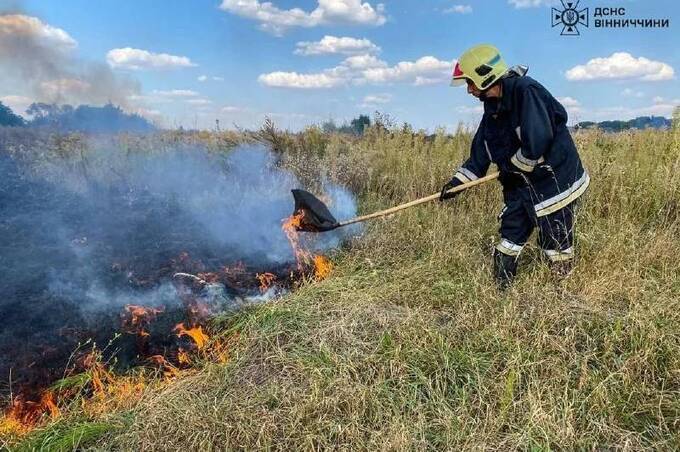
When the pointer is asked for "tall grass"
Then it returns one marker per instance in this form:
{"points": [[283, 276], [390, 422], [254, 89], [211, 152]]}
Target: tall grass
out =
{"points": [[408, 345]]}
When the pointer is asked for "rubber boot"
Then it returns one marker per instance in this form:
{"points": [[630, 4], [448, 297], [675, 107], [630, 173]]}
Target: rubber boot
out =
{"points": [[504, 269]]}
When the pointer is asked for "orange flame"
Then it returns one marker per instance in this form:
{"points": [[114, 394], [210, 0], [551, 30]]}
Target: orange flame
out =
{"points": [[137, 318], [219, 351], [196, 334], [168, 369], [197, 311], [119, 392], [10, 425], [183, 357], [322, 267], [100, 377], [22, 416], [266, 280], [290, 228], [235, 271]]}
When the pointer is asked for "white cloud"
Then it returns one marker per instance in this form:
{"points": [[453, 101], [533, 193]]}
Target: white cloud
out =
{"points": [[328, 12], [164, 96], [425, 70], [661, 109], [532, 3], [465, 109], [362, 69], [17, 26], [662, 100], [199, 102], [152, 115], [205, 78], [568, 101], [174, 93], [459, 9], [137, 98], [18, 104], [422, 81], [621, 65], [572, 106], [138, 59], [336, 45], [664, 108], [632, 93], [378, 98], [286, 115], [374, 100], [362, 62], [303, 81], [230, 109]]}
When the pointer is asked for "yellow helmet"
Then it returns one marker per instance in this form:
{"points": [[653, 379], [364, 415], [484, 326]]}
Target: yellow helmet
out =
{"points": [[482, 64]]}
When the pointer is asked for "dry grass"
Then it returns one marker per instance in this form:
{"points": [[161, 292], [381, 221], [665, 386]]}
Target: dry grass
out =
{"points": [[409, 346]]}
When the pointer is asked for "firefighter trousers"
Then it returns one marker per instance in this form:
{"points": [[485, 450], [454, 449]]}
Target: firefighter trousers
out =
{"points": [[555, 231]]}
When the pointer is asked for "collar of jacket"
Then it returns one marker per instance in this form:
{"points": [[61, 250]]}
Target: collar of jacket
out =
{"points": [[495, 106]]}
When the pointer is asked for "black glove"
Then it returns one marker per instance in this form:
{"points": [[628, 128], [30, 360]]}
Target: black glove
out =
{"points": [[445, 194]]}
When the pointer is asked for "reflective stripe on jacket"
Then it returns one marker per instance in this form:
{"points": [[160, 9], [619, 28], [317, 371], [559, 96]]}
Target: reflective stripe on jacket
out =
{"points": [[525, 134]]}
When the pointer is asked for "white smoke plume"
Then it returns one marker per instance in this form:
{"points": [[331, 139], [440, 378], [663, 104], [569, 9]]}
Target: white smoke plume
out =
{"points": [[41, 59]]}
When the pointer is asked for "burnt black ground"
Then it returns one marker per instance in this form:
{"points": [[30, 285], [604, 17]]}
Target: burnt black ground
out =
{"points": [[71, 260]]}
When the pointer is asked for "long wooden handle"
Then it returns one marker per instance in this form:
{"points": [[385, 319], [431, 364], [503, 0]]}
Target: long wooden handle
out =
{"points": [[394, 209]]}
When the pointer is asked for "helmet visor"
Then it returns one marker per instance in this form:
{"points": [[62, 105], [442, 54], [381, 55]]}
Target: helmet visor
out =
{"points": [[458, 78]]}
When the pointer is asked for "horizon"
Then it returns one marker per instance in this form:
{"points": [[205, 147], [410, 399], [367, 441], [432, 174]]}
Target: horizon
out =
{"points": [[35, 121]]}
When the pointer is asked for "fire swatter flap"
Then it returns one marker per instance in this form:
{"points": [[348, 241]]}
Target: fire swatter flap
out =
{"points": [[317, 217]]}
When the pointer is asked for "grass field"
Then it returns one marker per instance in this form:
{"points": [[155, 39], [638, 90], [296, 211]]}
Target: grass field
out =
{"points": [[408, 344]]}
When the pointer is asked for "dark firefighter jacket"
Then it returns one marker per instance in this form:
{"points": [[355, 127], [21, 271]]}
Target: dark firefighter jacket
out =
{"points": [[525, 134]]}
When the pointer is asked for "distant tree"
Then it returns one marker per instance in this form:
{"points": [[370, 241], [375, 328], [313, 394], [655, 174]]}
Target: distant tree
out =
{"points": [[329, 126], [86, 118], [356, 126], [406, 128], [360, 124], [641, 122], [41, 110], [8, 118], [383, 121], [613, 126]]}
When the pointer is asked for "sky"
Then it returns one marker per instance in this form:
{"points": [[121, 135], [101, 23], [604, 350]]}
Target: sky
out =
{"points": [[300, 62]]}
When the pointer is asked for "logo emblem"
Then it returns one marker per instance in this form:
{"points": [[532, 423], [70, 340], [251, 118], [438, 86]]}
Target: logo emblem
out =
{"points": [[570, 17]]}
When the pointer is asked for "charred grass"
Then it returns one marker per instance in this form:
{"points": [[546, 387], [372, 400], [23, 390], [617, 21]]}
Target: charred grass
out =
{"points": [[408, 345]]}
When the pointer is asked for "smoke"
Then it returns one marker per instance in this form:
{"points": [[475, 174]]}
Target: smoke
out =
{"points": [[80, 239], [41, 58]]}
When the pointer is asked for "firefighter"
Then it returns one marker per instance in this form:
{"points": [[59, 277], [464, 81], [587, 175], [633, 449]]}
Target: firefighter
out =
{"points": [[524, 133]]}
